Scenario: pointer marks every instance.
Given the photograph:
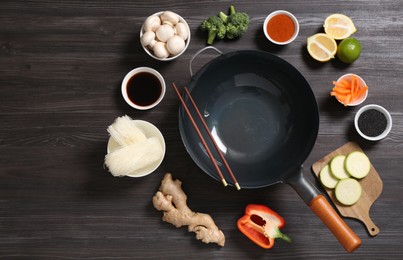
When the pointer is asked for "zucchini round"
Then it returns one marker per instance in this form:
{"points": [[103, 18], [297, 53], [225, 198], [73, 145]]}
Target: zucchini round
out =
{"points": [[337, 167], [357, 164], [348, 191], [326, 178]]}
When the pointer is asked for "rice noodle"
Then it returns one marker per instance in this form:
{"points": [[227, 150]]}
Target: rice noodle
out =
{"points": [[125, 132], [132, 157]]}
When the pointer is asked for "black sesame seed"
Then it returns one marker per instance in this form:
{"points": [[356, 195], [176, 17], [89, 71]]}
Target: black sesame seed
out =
{"points": [[372, 122]]}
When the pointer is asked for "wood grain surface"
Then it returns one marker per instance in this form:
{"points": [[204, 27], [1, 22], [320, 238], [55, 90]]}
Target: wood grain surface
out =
{"points": [[61, 66], [371, 189]]}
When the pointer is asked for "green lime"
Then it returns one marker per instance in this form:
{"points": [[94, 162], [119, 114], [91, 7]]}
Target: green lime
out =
{"points": [[349, 50]]}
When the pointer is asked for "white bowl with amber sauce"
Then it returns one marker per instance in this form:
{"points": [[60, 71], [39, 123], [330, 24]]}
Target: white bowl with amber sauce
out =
{"points": [[281, 27]]}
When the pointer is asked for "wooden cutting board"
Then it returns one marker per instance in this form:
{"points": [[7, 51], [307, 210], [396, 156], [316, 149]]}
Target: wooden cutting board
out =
{"points": [[371, 189]]}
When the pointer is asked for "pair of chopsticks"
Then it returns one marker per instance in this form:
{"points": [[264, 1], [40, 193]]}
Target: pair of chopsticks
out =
{"points": [[210, 136]]}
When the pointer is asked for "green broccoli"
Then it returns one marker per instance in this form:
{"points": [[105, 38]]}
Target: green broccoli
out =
{"points": [[236, 22], [215, 28], [224, 17]]}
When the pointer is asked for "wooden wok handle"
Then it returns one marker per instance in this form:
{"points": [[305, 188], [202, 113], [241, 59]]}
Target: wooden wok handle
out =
{"points": [[347, 238]]}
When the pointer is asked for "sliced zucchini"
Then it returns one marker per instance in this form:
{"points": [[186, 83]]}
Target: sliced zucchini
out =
{"points": [[326, 178], [357, 164], [348, 191], [337, 167]]}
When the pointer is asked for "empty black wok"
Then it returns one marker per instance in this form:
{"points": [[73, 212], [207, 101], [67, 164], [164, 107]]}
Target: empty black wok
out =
{"points": [[264, 117]]}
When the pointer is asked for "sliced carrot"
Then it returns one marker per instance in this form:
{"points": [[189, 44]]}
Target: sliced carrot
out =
{"points": [[354, 84], [341, 85], [347, 91], [347, 100], [341, 98], [344, 83], [341, 90], [360, 92]]}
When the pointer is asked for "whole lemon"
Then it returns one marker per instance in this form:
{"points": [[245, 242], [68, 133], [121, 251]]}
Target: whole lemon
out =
{"points": [[349, 50]]}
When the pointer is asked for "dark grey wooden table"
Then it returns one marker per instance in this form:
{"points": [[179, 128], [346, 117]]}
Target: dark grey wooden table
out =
{"points": [[61, 66]]}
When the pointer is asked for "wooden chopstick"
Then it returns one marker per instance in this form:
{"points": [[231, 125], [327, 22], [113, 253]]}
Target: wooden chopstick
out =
{"points": [[212, 139], [202, 139], [200, 135]]}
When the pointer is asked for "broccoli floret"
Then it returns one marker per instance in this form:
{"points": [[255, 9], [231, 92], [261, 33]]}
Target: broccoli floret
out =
{"points": [[236, 22], [237, 25], [224, 17], [215, 28]]}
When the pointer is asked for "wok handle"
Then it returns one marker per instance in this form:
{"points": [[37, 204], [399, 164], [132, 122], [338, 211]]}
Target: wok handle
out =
{"points": [[197, 54], [347, 238], [322, 208]]}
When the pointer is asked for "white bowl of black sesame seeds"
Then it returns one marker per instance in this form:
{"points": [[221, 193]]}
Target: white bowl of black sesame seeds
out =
{"points": [[373, 122]]}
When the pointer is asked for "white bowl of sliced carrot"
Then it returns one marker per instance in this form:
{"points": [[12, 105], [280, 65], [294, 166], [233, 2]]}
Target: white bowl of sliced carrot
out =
{"points": [[350, 90]]}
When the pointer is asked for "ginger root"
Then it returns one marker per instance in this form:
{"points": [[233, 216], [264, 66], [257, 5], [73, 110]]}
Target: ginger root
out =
{"points": [[171, 199]]}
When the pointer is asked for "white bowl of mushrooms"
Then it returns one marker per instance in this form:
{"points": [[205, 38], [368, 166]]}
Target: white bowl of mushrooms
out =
{"points": [[165, 35]]}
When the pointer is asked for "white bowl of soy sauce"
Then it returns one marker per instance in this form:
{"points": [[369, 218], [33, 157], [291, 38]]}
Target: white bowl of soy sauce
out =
{"points": [[373, 122], [143, 88]]}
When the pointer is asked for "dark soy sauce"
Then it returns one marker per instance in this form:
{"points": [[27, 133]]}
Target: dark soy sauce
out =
{"points": [[372, 122], [144, 89]]}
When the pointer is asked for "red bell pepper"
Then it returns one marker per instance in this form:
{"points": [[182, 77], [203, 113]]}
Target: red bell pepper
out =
{"points": [[262, 225]]}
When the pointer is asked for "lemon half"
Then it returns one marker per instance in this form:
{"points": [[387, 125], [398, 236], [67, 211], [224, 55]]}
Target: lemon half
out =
{"points": [[339, 26], [321, 47]]}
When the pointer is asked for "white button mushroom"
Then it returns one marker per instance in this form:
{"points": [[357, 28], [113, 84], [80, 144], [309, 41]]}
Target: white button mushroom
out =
{"points": [[152, 23], [170, 18], [164, 32], [175, 45], [182, 30], [148, 39], [160, 50]]}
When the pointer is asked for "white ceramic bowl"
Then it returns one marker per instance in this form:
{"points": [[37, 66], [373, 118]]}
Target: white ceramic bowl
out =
{"points": [[361, 83], [384, 112], [187, 41], [150, 131], [132, 73], [282, 12]]}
